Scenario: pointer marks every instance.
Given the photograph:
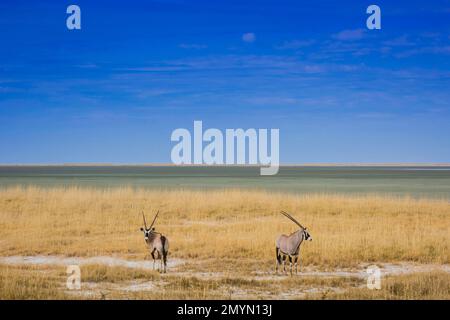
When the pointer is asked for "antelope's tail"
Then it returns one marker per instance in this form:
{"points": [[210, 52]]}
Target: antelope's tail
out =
{"points": [[278, 255]]}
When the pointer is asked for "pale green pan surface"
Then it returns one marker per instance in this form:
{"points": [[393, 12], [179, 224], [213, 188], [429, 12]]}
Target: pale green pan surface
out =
{"points": [[397, 181]]}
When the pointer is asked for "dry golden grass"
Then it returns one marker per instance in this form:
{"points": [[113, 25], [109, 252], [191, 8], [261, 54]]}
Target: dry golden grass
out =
{"points": [[223, 224], [231, 232], [427, 286]]}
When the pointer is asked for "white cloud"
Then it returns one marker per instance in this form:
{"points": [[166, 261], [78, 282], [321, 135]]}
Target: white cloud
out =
{"points": [[349, 35], [192, 46], [402, 41], [248, 37], [295, 44]]}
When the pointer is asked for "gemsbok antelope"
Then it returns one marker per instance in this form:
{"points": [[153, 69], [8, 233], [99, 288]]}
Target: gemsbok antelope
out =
{"points": [[157, 243], [289, 246]]}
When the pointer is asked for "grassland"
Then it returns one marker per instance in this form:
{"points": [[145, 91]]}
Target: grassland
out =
{"points": [[231, 232]]}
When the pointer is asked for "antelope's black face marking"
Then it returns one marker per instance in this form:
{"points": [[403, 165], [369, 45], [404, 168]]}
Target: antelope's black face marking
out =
{"points": [[147, 232], [307, 235]]}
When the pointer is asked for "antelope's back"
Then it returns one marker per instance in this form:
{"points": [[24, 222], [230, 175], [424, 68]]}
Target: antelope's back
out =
{"points": [[281, 240]]}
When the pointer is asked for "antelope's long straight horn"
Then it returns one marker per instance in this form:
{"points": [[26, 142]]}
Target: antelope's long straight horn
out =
{"points": [[292, 219], [287, 215], [154, 219], [295, 221], [145, 222]]}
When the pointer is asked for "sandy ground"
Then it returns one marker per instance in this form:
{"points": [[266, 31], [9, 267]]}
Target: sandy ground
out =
{"points": [[103, 260], [173, 264]]}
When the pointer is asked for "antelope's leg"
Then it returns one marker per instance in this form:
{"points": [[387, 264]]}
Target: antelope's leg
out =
{"points": [[165, 261], [290, 264], [278, 260], [153, 256], [296, 265], [284, 263]]}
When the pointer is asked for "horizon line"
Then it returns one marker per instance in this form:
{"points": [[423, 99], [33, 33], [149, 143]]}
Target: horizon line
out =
{"points": [[165, 164]]}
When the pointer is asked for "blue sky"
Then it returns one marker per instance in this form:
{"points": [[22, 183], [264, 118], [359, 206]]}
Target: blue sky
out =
{"points": [[114, 90]]}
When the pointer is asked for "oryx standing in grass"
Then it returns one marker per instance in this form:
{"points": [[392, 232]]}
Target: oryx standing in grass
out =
{"points": [[289, 246], [157, 243]]}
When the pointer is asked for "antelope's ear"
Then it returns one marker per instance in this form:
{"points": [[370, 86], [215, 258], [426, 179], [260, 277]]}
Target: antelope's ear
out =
{"points": [[142, 229]]}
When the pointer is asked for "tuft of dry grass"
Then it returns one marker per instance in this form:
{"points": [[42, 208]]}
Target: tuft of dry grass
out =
{"points": [[223, 224], [102, 273], [25, 283]]}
